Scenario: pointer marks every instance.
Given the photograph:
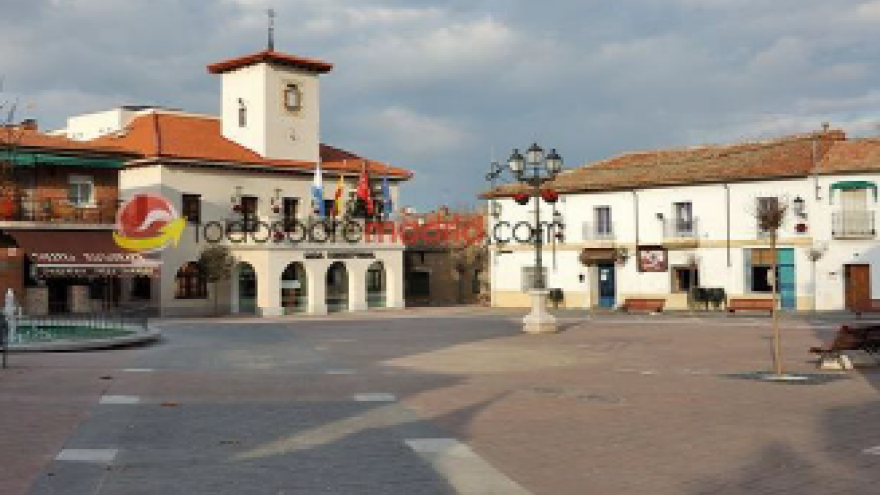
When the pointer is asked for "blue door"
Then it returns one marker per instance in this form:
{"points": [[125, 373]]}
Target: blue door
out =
{"points": [[607, 287], [787, 286]]}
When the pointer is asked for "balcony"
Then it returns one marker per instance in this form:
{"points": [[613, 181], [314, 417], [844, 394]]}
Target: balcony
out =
{"points": [[679, 229], [856, 224], [57, 210], [679, 233], [593, 231]]}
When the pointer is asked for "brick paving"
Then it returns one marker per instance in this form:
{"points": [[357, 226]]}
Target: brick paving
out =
{"points": [[623, 405]]}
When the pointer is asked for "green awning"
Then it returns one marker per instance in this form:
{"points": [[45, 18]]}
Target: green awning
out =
{"points": [[36, 159], [854, 184]]}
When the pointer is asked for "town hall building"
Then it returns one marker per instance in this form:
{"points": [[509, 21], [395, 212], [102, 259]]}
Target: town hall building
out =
{"points": [[238, 176]]}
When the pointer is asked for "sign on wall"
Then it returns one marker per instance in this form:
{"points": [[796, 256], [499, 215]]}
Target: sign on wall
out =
{"points": [[653, 259]]}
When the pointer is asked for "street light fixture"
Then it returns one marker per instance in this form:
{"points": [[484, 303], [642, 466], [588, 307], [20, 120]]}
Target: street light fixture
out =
{"points": [[534, 170]]}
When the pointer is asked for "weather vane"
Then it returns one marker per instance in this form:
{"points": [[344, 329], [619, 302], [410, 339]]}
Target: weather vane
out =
{"points": [[271, 14]]}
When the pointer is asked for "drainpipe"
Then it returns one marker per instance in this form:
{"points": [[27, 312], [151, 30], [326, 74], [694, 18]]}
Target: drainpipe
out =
{"points": [[636, 211], [727, 212], [815, 157]]}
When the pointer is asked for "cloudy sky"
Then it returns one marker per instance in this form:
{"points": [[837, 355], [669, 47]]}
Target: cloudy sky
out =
{"points": [[435, 86]]}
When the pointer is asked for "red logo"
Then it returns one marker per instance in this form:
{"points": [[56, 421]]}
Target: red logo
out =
{"points": [[147, 222]]}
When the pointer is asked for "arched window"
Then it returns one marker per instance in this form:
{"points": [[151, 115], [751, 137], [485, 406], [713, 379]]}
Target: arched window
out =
{"points": [[242, 113], [190, 282]]}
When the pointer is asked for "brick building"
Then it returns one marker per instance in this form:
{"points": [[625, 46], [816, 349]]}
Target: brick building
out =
{"points": [[440, 268], [58, 204]]}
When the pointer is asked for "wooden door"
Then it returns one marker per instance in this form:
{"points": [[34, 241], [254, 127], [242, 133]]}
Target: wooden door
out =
{"points": [[857, 287]]}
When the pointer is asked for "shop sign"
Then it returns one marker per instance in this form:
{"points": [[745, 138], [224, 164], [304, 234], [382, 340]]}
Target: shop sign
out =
{"points": [[653, 259], [592, 256]]}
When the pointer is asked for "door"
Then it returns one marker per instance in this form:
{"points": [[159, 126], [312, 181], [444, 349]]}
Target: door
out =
{"points": [[607, 287], [857, 287], [787, 281]]}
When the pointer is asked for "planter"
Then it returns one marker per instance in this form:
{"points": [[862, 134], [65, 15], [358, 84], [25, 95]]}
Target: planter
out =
{"points": [[7, 209]]}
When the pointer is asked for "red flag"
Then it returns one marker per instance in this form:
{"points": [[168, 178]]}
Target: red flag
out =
{"points": [[363, 189]]}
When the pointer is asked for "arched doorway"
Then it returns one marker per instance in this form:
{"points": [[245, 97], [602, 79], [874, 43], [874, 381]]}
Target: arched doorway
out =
{"points": [[247, 288], [294, 289], [337, 288], [376, 285]]}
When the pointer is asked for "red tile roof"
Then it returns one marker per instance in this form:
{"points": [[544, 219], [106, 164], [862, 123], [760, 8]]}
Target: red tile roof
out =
{"points": [[198, 138], [271, 57], [25, 138], [785, 157]]}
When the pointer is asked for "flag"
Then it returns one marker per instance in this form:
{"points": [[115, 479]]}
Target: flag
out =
{"points": [[363, 189], [318, 191], [339, 198], [386, 197]]}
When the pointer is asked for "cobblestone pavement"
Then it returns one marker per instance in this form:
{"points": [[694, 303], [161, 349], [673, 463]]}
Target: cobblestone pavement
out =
{"points": [[438, 401]]}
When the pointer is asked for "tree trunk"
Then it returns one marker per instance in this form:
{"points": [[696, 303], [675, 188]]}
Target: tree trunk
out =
{"points": [[777, 337]]}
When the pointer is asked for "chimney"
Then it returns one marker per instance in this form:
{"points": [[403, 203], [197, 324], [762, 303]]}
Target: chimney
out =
{"points": [[29, 124]]}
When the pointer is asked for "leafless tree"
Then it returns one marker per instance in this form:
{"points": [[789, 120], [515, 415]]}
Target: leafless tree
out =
{"points": [[770, 216], [217, 261]]}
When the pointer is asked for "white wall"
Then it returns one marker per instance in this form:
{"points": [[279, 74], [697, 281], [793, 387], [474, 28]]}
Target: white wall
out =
{"points": [[269, 124], [216, 187], [710, 209]]}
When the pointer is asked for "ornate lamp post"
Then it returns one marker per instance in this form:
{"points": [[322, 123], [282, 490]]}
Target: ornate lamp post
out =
{"points": [[533, 170]]}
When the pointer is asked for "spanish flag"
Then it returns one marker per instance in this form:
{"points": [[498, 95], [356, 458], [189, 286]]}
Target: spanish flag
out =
{"points": [[339, 198]]}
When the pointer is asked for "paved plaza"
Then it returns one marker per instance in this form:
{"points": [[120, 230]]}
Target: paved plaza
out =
{"points": [[441, 401]]}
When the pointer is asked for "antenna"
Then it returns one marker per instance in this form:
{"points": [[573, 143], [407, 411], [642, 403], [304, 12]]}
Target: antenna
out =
{"points": [[271, 14]]}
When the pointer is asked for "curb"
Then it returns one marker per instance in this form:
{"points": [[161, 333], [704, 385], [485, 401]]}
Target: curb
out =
{"points": [[152, 334]]}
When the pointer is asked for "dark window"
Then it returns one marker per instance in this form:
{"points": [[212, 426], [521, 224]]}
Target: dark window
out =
{"points": [[192, 207], [190, 282], [684, 278], [140, 287], [761, 279], [759, 269], [242, 113], [288, 211], [603, 221], [684, 218], [328, 207], [249, 213], [419, 284]]}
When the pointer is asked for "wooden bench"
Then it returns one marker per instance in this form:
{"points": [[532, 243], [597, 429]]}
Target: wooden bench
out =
{"points": [[643, 304], [746, 304], [866, 338]]}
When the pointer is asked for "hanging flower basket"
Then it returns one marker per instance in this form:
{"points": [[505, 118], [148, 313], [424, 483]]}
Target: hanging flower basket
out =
{"points": [[550, 196], [276, 209], [521, 198], [236, 208], [279, 236], [801, 228]]}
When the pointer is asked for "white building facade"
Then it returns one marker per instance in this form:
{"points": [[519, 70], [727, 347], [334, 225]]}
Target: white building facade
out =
{"points": [[653, 225], [244, 180]]}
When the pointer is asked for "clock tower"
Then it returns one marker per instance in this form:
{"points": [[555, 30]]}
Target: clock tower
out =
{"points": [[271, 103]]}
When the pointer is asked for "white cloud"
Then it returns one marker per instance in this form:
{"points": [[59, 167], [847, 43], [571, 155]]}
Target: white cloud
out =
{"points": [[412, 133]]}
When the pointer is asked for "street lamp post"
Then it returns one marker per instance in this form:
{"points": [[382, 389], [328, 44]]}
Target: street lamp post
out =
{"points": [[533, 170]]}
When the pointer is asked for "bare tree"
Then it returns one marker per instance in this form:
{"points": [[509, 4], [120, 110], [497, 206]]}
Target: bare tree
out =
{"points": [[217, 261], [771, 217]]}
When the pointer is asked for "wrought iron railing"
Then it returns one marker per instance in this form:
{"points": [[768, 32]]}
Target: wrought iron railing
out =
{"points": [[853, 225], [23, 209], [681, 229], [597, 231]]}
